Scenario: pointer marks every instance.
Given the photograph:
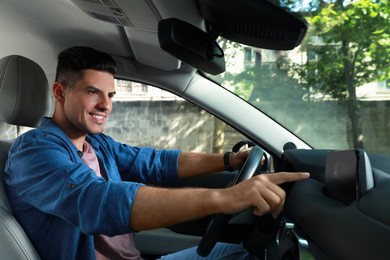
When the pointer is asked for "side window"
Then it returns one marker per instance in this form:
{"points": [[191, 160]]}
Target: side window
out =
{"points": [[11, 131], [7, 131], [148, 116]]}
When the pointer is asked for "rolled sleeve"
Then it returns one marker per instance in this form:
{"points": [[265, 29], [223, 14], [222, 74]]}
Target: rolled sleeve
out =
{"points": [[156, 166], [140, 164]]}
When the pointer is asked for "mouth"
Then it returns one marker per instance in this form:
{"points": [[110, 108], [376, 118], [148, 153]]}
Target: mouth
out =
{"points": [[98, 118]]}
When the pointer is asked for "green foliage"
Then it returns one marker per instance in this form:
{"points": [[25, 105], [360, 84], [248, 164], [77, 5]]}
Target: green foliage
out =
{"points": [[350, 41], [347, 46], [268, 81], [264, 82], [356, 46], [351, 48]]}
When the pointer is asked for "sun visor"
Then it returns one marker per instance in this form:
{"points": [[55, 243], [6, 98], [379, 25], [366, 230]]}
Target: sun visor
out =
{"points": [[147, 50]]}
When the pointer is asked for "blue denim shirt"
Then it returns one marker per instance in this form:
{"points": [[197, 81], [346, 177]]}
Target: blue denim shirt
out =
{"points": [[59, 200]]}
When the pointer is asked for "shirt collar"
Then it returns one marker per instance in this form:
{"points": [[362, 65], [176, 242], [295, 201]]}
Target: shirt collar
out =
{"points": [[48, 124]]}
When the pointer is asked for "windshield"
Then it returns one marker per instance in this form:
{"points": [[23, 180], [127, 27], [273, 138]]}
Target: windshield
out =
{"points": [[333, 90]]}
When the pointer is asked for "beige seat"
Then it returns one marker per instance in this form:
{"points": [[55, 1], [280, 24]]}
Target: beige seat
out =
{"points": [[24, 100]]}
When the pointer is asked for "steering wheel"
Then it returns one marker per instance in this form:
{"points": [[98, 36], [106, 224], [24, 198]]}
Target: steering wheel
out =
{"points": [[219, 222]]}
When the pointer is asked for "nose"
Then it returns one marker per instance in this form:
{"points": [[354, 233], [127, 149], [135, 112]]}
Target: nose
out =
{"points": [[105, 103]]}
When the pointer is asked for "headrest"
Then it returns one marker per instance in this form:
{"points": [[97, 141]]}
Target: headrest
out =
{"points": [[24, 91]]}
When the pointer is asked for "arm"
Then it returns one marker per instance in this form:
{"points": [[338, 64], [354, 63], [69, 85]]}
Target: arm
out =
{"points": [[194, 164], [160, 207]]}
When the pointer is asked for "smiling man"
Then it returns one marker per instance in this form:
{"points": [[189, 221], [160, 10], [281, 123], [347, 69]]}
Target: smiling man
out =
{"points": [[83, 98], [79, 194]]}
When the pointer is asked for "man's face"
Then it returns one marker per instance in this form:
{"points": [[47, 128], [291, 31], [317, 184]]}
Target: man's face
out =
{"points": [[88, 103]]}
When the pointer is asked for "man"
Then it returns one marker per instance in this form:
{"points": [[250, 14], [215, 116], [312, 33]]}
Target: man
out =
{"points": [[79, 194]]}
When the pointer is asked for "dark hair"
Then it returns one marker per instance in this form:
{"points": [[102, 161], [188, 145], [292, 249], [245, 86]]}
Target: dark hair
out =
{"points": [[73, 61]]}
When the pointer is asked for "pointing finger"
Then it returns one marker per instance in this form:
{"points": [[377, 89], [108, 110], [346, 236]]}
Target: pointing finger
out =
{"points": [[282, 177]]}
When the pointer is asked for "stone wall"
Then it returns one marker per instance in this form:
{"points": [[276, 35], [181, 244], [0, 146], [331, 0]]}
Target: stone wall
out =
{"points": [[166, 124]]}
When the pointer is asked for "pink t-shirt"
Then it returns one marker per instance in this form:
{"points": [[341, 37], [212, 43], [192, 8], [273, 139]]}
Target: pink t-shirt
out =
{"points": [[117, 247]]}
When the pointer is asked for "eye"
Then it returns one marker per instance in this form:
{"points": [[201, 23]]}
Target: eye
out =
{"points": [[92, 91]]}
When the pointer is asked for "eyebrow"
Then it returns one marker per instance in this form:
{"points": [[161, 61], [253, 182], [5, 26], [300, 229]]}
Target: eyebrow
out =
{"points": [[99, 90]]}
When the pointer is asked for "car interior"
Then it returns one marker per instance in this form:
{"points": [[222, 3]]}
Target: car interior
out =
{"points": [[172, 45]]}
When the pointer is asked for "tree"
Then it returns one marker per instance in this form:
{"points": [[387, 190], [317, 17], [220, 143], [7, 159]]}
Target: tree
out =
{"points": [[355, 50], [350, 44], [259, 80]]}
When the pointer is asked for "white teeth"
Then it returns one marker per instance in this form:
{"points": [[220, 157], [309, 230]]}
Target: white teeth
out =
{"points": [[98, 117]]}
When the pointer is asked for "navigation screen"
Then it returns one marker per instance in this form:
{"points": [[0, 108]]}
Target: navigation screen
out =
{"points": [[341, 176]]}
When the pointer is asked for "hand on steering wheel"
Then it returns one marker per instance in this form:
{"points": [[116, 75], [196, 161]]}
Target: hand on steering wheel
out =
{"points": [[220, 221]]}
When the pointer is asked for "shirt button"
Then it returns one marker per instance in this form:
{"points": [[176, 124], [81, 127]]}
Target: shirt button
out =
{"points": [[71, 186]]}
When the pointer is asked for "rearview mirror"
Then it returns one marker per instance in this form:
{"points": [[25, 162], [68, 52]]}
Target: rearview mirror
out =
{"points": [[257, 23], [191, 45]]}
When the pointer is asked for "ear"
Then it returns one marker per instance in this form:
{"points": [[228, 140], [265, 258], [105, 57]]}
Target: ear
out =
{"points": [[58, 92]]}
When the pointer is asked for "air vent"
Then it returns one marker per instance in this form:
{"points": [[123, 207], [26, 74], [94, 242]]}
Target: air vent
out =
{"points": [[108, 3], [104, 10], [93, 1], [259, 32], [124, 22], [116, 11], [101, 2], [103, 17]]}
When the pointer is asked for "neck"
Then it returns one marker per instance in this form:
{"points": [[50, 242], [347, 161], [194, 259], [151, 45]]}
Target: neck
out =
{"points": [[76, 137], [79, 143]]}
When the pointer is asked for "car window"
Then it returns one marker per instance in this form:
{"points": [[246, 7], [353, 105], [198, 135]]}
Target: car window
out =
{"points": [[7, 131], [333, 90], [144, 115]]}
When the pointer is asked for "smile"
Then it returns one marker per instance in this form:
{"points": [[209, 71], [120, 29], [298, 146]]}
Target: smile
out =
{"points": [[98, 118]]}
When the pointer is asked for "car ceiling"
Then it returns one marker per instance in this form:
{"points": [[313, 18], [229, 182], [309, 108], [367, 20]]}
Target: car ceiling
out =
{"points": [[51, 26]]}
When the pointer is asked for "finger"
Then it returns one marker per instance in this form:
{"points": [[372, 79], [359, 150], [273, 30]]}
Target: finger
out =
{"points": [[263, 160], [245, 148], [238, 158], [282, 177], [274, 196], [282, 198], [261, 207], [278, 210], [270, 200], [244, 152]]}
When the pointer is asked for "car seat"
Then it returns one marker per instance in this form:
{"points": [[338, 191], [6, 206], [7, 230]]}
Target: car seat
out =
{"points": [[24, 100]]}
